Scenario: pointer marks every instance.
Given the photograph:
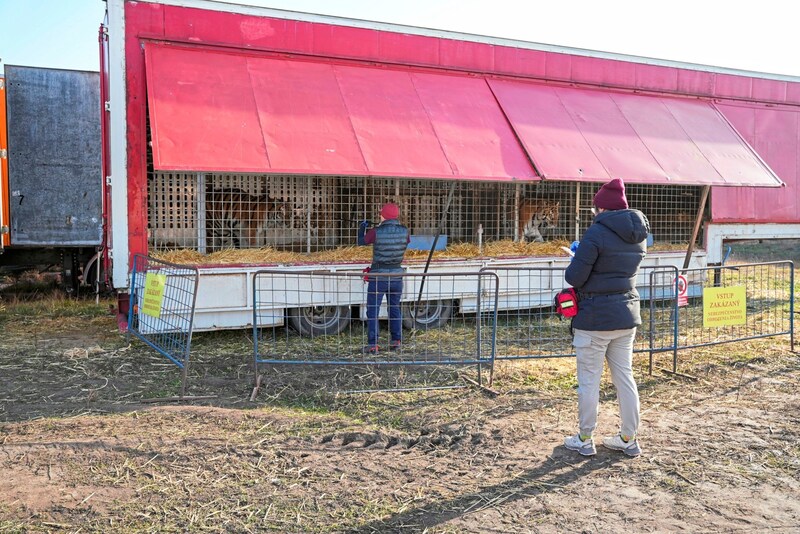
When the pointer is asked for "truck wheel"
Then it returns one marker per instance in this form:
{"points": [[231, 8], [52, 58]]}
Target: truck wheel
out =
{"points": [[428, 314], [319, 320]]}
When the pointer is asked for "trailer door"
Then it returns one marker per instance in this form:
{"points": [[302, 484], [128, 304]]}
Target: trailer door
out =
{"points": [[3, 168], [54, 162]]}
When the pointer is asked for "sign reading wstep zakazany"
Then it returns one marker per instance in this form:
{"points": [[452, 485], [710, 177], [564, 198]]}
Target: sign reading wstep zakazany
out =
{"points": [[153, 294], [724, 306]]}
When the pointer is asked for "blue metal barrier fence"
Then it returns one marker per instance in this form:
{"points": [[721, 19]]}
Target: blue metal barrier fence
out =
{"points": [[529, 328], [731, 303], [446, 318], [162, 304]]}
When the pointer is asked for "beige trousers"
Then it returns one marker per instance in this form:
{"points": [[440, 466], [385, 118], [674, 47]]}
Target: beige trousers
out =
{"points": [[593, 348]]}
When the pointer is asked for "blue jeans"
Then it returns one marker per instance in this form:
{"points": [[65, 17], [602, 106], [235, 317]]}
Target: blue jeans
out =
{"points": [[392, 287]]}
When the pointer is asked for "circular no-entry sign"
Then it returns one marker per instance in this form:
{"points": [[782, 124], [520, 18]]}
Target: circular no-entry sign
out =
{"points": [[683, 291]]}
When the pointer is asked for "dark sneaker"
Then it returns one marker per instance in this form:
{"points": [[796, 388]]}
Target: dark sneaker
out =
{"points": [[370, 349], [616, 443], [396, 345], [584, 448]]}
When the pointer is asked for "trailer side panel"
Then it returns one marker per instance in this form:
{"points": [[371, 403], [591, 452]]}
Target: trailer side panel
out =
{"points": [[54, 157]]}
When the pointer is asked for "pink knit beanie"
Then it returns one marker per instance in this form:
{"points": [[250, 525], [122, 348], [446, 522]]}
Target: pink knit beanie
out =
{"points": [[612, 196]]}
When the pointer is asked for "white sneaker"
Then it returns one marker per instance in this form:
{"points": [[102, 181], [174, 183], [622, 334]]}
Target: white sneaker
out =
{"points": [[630, 448], [584, 448]]}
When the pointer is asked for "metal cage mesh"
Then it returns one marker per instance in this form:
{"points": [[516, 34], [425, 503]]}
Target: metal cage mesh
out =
{"points": [[211, 212]]}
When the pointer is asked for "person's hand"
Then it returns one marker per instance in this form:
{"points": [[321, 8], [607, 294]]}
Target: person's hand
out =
{"points": [[362, 232], [574, 246]]}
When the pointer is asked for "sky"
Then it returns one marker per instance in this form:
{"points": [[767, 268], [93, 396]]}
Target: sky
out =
{"points": [[737, 34]]}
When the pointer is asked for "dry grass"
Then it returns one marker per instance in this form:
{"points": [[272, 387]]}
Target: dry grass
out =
{"points": [[303, 458], [82, 454]]}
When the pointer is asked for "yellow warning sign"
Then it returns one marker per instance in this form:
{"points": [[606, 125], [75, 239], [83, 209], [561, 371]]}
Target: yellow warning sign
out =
{"points": [[724, 306], [153, 294]]}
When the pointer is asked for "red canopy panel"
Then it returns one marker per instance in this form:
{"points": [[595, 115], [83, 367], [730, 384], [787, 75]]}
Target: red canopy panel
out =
{"points": [[594, 135], [228, 111], [303, 118], [202, 112], [393, 130], [472, 129]]}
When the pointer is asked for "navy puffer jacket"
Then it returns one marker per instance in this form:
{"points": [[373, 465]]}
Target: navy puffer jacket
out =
{"points": [[604, 270], [391, 240]]}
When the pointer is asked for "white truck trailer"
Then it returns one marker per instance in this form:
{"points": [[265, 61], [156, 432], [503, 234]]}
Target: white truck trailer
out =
{"points": [[232, 127]]}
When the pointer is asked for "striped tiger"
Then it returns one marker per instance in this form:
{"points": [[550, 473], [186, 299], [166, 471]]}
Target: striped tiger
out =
{"points": [[236, 217], [535, 216]]}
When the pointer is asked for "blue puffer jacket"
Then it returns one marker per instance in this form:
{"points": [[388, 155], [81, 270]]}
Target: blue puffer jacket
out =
{"points": [[604, 269], [391, 240]]}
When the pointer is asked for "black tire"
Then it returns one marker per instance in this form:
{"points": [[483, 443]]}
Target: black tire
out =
{"points": [[319, 320], [429, 314]]}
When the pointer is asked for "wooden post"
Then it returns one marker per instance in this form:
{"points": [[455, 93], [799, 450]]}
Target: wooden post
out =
{"points": [[697, 222], [435, 240]]}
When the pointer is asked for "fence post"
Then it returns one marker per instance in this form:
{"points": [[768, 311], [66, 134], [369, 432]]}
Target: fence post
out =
{"points": [[675, 323], [651, 337], [791, 305], [478, 323]]}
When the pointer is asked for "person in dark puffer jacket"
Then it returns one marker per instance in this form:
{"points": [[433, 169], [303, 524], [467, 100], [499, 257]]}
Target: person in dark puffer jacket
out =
{"points": [[603, 272], [389, 242]]}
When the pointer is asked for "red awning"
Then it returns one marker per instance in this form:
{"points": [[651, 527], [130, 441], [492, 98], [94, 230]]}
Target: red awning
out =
{"points": [[594, 135], [228, 111]]}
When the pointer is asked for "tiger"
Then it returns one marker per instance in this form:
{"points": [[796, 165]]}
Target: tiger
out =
{"points": [[536, 215], [231, 213]]}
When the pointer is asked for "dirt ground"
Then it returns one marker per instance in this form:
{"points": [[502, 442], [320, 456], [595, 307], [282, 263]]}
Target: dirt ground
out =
{"points": [[81, 452]]}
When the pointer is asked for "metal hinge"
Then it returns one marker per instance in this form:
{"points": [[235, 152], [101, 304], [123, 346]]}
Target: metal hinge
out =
{"points": [[2, 83], [108, 180], [107, 105], [3, 153], [3, 229]]}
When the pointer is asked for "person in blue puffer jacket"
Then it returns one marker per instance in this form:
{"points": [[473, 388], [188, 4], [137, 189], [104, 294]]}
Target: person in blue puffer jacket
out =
{"points": [[603, 273], [389, 241]]}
